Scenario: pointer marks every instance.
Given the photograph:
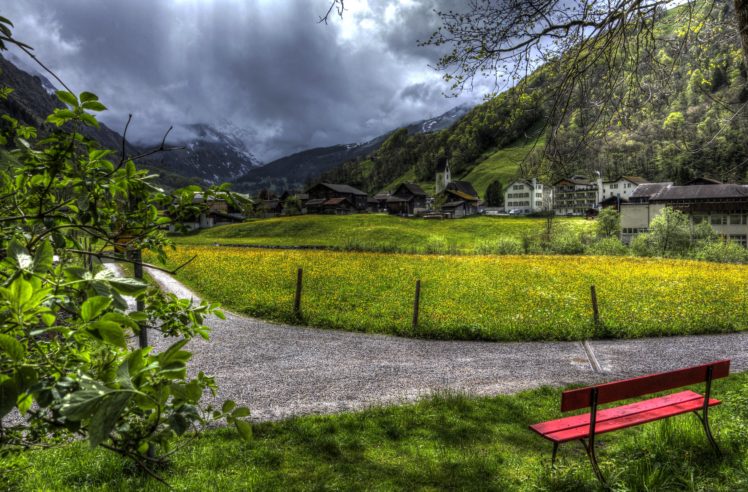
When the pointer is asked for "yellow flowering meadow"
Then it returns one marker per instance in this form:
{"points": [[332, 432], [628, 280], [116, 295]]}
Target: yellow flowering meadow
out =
{"points": [[474, 297]]}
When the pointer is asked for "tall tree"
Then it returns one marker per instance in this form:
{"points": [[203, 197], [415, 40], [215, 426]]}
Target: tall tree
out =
{"points": [[494, 194]]}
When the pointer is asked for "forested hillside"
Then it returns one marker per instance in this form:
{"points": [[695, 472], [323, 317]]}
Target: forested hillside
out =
{"points": [[680, 115]]}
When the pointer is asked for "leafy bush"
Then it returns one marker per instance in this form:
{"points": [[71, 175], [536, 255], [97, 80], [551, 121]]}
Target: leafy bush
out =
{"points": [[610, 246], [608, 223], [65, 362], [566, 243], [722, 252]]}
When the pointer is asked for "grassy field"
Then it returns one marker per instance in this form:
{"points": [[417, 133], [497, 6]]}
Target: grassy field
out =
{"points": [[448, 442], [474, 297], [502, 165], [378, 232]]}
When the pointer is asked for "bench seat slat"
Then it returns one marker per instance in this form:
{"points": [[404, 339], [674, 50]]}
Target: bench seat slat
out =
{"points": [[578, 426]]}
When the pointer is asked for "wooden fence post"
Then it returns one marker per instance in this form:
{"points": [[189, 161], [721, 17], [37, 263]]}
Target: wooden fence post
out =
{"points": [[297, 299], [416, 304], [595, 311], [137, 257]]}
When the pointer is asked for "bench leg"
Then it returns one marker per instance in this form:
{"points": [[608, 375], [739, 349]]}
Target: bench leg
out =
{"points": [[705, 423], [553, 458], [590, 449]]}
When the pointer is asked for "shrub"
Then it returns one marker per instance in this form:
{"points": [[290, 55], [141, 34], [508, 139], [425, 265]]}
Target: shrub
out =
{"points": [[611, 246], [722, 252], [608, 223], [566, 243]]}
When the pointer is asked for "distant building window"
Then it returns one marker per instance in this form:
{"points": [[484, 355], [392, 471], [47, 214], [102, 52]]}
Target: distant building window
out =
{"points": [[738, 219], [719, 219], [517, 187]]}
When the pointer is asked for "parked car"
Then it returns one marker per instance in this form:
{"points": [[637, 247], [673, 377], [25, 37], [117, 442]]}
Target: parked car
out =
{"points": [[515, 211]]}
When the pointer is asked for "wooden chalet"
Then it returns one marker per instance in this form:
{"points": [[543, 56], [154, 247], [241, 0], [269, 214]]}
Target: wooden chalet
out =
{"points": [[461, 199], [408, 199], [356, 199]]}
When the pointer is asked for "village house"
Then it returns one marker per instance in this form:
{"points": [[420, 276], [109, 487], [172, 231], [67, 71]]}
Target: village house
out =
{"points": [[335, 198], [724, 206], [378, 203], [460, 199], [527, 197], [216, 211], [407, 199], [574, 196]]}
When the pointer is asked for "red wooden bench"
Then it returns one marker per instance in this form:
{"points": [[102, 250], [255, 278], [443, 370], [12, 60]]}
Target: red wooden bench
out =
{"points": [[585, 427]]}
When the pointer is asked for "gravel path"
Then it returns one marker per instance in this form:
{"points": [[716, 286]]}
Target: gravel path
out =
{"points": [[281, 371]]}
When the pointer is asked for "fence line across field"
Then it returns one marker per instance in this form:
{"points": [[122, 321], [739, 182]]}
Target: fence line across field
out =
{"points": [[417, 303]]}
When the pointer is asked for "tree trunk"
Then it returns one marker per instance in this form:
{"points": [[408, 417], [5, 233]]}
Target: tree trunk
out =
{"points": [[741, 14]]}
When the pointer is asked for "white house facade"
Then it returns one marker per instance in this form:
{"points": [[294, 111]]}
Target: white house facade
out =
{"points": [[528, 197]]}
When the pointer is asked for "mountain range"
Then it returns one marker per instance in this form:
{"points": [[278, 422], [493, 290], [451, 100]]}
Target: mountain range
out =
{"points": [[213, 154]]}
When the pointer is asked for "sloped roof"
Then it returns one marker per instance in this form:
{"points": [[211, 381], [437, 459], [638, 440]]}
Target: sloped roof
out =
{"points": [[314, 202], [453, 204], [412, 188], [647, 190], [701, 192], [462, 186], [573, 180], [396, 199], [335, 201], [343, 188], [381, 196], [463, 196], [441, 165], [633, 179]]}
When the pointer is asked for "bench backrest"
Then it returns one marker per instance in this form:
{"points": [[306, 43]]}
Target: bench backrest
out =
{"points": [[644, 385]]}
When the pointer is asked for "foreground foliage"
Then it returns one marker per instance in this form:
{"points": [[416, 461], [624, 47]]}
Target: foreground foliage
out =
{"points": [[475, 297], [448, 442], [68, 366]]}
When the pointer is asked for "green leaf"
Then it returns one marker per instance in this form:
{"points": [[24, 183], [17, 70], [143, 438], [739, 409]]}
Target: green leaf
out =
{"points": [[93, 106], [12, 347], [240, 412], [68, 98], [20, 255], [228, 405], [88, 96], [122, 319], [110, 332], [43, 258], [244, 428], [106, 416], [8, 395], [23, 402], [94, 306], [81, 404]]}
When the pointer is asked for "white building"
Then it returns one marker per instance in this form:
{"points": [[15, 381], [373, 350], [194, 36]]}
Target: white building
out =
{"points": [[528, 196], [622, 188], [574, 196]]}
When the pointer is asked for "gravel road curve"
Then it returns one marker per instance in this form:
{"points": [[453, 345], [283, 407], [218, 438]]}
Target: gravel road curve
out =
{"points": [[281, 371]]}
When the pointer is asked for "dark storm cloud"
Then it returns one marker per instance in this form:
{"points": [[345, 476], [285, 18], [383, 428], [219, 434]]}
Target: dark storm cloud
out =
{"points": [[266, 67]]}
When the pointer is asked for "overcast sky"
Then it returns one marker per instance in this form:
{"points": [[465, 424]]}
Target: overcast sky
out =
{"points": [[265, 66]]}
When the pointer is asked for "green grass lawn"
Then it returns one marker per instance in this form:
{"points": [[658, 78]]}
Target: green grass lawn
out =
{"points": [[474, 297], [448, 442], [502, 165], [379, 232]]}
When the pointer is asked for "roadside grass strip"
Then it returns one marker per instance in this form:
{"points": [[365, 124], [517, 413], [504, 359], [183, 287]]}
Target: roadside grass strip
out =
{"points": [[474, 297], [446, 442]]}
